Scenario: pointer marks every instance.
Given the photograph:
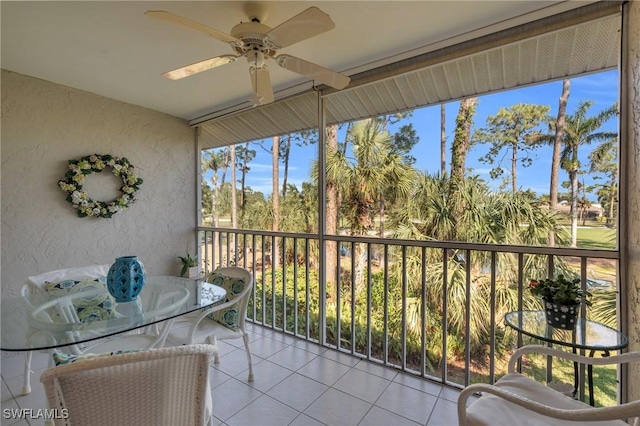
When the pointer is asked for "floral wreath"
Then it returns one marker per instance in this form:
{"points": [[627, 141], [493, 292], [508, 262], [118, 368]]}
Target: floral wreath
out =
{"points": [[74, 178]]}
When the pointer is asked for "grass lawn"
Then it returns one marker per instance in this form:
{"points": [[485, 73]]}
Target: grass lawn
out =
{"points": [[604, 378], [597, 238]]}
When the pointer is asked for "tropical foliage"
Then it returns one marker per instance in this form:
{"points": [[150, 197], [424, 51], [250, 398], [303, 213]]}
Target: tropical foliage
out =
{"points": [[385, 299]]}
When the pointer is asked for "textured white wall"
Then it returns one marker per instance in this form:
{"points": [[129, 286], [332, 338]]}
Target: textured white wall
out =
{"points": [[43, 126]]}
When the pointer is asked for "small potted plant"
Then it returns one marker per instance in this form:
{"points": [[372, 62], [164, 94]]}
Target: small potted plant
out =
{"points": [[189, 266], [561, 298]]}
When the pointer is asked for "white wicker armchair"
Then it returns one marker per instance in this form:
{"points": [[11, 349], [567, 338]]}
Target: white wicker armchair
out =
{"points": [[165, 386], [517, 399]]}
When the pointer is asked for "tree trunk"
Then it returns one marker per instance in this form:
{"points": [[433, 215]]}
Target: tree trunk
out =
{"points": [[443, 140], [234, 200], [459, 149], [275, 197], [557, 148], [215, 221], [612, 199], [462, 138], [573, 175], [331, 219], [514, 165], [243, 195], [287, 150]]}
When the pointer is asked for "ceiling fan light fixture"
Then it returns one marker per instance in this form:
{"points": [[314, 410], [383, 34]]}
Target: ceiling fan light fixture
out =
{"points": [[255, 58]]}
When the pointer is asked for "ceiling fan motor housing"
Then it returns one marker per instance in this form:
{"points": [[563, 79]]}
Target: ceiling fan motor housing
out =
{"points": [[253, 38]]}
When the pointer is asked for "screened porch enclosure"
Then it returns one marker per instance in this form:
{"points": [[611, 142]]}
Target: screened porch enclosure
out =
{"points": [[430, 306]]}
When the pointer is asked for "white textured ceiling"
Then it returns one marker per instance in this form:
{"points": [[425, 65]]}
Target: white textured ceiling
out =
{"points": [[112, 49]]}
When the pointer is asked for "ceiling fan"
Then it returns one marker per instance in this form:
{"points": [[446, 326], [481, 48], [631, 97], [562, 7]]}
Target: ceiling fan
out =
{"points": [[258, 43]]}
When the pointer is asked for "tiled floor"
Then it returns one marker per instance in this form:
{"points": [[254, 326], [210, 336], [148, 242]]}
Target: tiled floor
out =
{"points": [[296, 383]]}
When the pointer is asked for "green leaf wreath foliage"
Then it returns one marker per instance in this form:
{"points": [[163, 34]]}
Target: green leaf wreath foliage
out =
{"points": [[96, 163]]}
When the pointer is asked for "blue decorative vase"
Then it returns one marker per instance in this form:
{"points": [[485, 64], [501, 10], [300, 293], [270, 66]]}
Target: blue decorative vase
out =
{"points": [[125, 278]]}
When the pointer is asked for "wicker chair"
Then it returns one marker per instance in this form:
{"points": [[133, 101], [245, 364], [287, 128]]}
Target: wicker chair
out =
{"points": [[517, 399], [165, 386], [200, 327]]}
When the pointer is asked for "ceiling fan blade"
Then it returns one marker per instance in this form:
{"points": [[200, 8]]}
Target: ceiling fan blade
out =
{"points": [[175, 19], [304, 25], [261, 81], [197, 67], [313, 71]]}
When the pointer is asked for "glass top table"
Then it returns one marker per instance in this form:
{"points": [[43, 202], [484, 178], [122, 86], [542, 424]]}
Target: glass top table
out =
{"points": [[27, 322], [588, 334]]}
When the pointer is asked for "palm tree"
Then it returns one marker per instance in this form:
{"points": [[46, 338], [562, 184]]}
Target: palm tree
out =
{"points": [[580, 130], [234, 202], [364, 178], [332, 207], [604, 159], [558, 128], [487, 217], [213, 161]]}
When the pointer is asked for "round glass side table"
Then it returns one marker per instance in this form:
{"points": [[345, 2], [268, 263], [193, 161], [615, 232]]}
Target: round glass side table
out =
{"points": [[588, 335]]}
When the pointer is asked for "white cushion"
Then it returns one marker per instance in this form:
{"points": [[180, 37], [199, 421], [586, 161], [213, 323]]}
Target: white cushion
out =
{"points": [[36, 282], [493, 410]]}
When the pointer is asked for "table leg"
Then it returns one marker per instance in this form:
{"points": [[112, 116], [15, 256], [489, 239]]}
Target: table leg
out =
{"points": [[576, 378], [590, 375]]}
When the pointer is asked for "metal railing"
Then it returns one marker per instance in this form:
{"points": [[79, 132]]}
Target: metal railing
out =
{"points": [[430, 308]]}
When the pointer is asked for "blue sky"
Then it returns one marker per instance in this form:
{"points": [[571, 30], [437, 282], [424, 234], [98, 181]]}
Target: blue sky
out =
{"points": [[602, 88]]}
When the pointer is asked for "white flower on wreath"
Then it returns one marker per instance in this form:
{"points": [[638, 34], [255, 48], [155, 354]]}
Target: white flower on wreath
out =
{"points": [[76, 197]]}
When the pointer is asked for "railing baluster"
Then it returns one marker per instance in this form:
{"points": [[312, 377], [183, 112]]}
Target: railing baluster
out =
{"points": [[274, 265], [353, 297], [385, 344], [253, 271], [423, 313], [245, 249], [467, 319], [492, 331], [283, 259], [520, 291], [550, 274], [403, 331], [368, 339], [295, 287], [338, 298], [307, 290], [445, 312]]}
